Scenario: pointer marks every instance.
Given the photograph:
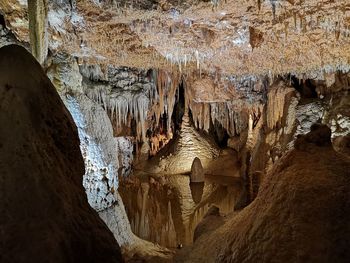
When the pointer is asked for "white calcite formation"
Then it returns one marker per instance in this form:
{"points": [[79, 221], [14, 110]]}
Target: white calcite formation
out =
{"points": [[98, 146], [99, 150], [7, 37], [127, 95], [308, 114], [125, 155], [333, 111], [105, 158]]}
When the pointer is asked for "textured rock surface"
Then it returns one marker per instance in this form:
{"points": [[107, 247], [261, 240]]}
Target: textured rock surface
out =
{"points": [[333, 110], [125, 155], [177, 156], [210, 222], [6, 36], [265, 36], [301, 213], [105, 157], [45, 216], [197, 172], [99, 149], [126, 93], [342, 145]]}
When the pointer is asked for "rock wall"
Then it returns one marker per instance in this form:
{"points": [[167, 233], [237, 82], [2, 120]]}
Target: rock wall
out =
{"points": [[99, 149], [301, 213], [105, 158], [126, 93], [6, 36], [45, 213]]}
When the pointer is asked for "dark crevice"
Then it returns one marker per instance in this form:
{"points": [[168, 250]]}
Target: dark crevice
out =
{"points": [[2, 21]]}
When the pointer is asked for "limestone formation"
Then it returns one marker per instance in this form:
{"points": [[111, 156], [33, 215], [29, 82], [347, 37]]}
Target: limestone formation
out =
{"points": [[38, 23], [99, 150], [301, 212], [288, 36], [342, 145], [197, 172], [211, 221], [45, 213], [185, 105]]}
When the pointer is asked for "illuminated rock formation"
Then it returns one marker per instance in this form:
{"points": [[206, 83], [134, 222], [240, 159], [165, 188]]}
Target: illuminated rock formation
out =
{"points": [[289, 36], [301, 212], [197, 172], [105, 158], [38, 26], [184, 105]]}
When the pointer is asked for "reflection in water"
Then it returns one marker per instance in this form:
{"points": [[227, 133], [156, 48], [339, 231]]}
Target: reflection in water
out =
{"points": [[196, 191], [166, 209]]}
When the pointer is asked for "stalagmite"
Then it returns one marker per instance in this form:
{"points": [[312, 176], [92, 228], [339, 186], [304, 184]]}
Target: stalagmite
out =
{"points": [[45, 214], [197, 172]]}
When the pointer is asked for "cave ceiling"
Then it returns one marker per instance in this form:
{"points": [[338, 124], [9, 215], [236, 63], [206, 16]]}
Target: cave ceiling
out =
{"points": [[243, 37]]}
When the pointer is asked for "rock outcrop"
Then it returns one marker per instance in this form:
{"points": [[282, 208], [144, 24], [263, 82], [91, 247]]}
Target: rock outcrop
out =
{"points": [[45, 215], [177, 156], [210, 222], [105, 158], [342, 144], [301, 213], [197, 172]]}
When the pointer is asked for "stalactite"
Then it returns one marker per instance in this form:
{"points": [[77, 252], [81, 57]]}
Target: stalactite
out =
{"points": [[211, 109], [275, 106], [38, 23], [123, 105], [167, 85], [273, 5]]}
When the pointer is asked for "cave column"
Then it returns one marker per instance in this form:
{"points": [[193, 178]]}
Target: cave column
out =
{"points": [[38, 21]]}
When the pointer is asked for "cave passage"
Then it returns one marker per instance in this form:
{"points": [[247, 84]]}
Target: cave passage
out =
{"points": [[174, 131]]}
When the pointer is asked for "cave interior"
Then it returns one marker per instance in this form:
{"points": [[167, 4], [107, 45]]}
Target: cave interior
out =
{"points": [[174, 131]]}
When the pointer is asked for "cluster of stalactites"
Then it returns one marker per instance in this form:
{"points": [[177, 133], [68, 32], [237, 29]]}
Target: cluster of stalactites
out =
{"points": [[164, 102], [233, 116], [276, 105], [124, 107]]}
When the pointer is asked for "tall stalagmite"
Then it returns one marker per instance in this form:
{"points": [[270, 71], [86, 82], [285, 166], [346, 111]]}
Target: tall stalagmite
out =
{"points": [[45, 215]]}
